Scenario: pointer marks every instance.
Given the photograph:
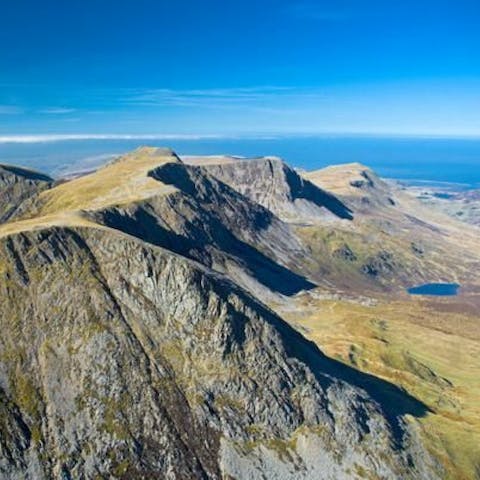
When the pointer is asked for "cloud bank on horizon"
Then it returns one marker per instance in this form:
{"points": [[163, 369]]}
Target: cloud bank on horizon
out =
{"points": [[50, 138]]}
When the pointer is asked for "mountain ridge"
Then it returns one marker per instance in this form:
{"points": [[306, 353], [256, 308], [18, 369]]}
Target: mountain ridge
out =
{"points": [[153, 299]]}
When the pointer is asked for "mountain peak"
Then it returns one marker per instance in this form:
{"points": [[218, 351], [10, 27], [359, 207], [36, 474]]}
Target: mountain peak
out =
{"points": [[355, 182], [122, 181], [154, 151], [147, 155], [272, 183]]}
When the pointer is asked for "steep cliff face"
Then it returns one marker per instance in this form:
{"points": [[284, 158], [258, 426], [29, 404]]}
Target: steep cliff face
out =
{"points": [[16, 186], [279, 188], [120, 359]]}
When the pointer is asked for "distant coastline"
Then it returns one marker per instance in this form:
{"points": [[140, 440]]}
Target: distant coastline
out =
{"points": [[430, 161]]}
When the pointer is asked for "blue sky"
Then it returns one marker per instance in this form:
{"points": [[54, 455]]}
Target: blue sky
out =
{"points": [[233, 68]]}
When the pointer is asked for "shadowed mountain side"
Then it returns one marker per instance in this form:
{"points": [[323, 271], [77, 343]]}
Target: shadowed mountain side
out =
{"points": [[206, 220], [26, 173], [306, 190], [198, 244], [17, 186], [394, 401], [276, 186]]}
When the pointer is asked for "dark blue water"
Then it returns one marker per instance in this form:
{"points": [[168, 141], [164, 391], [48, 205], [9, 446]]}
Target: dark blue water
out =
{"points": [[443, 196], [435, 289], [412, 159]]}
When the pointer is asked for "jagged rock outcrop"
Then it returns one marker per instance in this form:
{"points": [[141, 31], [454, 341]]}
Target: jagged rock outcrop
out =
{"points": [[206, 220], [120, 359], [273, 184], [16, 186]]}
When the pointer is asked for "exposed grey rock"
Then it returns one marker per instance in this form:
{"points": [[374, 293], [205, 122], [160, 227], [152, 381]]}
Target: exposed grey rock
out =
{"points": [[344, 252], [120, 359], [279, 188], [16, 186], [206, 220]]}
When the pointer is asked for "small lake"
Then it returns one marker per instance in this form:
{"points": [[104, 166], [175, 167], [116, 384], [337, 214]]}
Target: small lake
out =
{"points": [[435, 289]]}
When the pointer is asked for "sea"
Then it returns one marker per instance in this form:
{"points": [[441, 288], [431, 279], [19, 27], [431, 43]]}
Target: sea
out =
{"points": [[449, 162]]}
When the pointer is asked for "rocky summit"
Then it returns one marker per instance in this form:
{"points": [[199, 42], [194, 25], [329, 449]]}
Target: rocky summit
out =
{"points": [[156, 320]]}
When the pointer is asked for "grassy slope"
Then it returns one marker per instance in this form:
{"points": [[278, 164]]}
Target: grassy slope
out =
{"points": [[434, 355], [429, 347], [121, 182]]}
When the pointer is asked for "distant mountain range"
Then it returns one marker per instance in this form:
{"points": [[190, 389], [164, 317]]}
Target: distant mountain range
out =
{"points": [[231, 318]]}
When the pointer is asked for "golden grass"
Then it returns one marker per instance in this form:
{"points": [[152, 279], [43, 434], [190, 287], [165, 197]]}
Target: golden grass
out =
{"points": [[122, 182], [119, 183], [62, 219], [336, 178], [434, 355]]}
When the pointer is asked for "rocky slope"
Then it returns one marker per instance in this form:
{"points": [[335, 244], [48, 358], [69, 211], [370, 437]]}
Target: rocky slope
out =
{"points": [[205, 220], [273, 184], [131, 350], [16, 186], [462, 205], [120, 359], [185, 209], [359, 232]]}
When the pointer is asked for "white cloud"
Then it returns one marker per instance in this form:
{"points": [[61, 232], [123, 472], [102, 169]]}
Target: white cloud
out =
{"points": [[217, 97], [57, 110], [83, 136]]}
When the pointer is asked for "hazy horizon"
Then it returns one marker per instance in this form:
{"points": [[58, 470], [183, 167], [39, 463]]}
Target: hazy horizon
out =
{"points": [[424, 159]]}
